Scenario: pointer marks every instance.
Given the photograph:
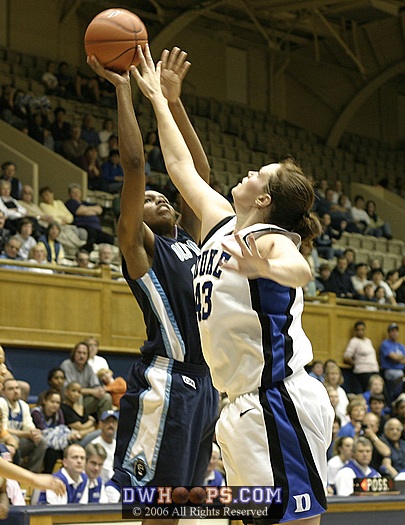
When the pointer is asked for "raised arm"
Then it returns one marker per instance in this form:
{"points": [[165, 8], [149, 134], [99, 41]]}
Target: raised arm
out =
{"points": [[207, 204], [135, 238], [174, 69]]}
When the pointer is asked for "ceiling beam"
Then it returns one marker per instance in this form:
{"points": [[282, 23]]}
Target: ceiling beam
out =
{"points": [[342, 43]]}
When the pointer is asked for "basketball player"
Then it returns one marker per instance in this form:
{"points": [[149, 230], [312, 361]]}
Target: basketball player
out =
{"points": [[168, 414], [249, 301]]}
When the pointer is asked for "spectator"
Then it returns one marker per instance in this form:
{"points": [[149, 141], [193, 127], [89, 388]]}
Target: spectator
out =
{"points": [[113, 173], [13, 488], [73, 476], [377, 278], [334, 378], [359, 214], [75, 146], [105, 257], [116, 387], [350, 255], [324, 242], [213, 476], [39, 219], [375, 386], [49, 79], [356, 410], [88, 131], [87, 88], [90, 164], [108, 424], [24, 234], [357, 467], [77, 368], [152, 148], [392, 361], [8, 171], [56, 382], [104, 135], [95, 361], [343, 453], [18, 421], [361, 355], [60, 129], [48, 418], [394, 281], [376, 227], [394, 464], [380, 295], [11, 250], [38, 255], [359, 280], [54, 249], [378, 407], [4, 232], [95, 458], [371, 430], [65, 80], [54, 209], [10, 206], [340, 282], [75, 414], [322, 281], [83, 259], [398, 410], [87, 216], [316, 370]]}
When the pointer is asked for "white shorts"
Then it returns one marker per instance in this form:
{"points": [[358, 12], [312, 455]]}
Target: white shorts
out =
{"points": [[279, 437]]}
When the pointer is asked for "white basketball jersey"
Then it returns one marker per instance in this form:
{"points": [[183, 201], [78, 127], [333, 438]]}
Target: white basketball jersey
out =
{"points": [[250, 329]]}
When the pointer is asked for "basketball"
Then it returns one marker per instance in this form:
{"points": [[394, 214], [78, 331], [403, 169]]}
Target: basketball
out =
{"points": [[197, 495], [113, 36], [180, 495]]}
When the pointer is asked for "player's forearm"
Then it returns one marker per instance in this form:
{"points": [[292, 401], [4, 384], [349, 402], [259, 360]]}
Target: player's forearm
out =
{"points": [[191, 138], [131, 143]]}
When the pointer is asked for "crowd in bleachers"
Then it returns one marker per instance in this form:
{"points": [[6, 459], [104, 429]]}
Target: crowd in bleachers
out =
{"points": [[369, 402]]}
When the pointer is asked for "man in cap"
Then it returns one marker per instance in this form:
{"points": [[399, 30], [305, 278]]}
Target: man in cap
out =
{"points": [[108, 425], [392, 360]]}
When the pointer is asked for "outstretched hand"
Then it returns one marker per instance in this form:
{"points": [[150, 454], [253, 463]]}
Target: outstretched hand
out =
{"points": [[248, 260], [149, 80], [46, 481], [115, 78], [173, 70]]}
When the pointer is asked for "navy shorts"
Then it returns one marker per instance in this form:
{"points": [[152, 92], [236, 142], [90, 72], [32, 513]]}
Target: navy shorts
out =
{"points": [[166, 424]]}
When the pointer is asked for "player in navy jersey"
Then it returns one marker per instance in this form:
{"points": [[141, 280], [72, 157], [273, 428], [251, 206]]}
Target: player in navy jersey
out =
{"points": [[249, 300], [168, 414]]}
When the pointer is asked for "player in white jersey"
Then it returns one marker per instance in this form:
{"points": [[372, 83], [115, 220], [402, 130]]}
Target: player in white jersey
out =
{"points": [[249, 301]]}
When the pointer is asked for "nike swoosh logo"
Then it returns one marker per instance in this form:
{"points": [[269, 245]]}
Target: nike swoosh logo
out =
{"points": [[245, 411]]}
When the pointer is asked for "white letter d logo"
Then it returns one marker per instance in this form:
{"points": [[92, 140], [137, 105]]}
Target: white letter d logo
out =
{"points": [[302, 502]]}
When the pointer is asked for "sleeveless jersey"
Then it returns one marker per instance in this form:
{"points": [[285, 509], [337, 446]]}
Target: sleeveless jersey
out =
{"points": [[250, 329], [15, 420], [165, 296], [359, 473]]}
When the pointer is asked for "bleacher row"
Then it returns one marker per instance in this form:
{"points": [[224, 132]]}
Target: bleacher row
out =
{"points": [[236, 138], [390, 252]]}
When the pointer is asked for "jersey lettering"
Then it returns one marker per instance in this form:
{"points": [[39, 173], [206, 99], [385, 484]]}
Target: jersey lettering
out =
{"points": [[302, 502]]}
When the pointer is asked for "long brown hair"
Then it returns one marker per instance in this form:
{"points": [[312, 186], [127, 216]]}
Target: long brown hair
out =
{"points": [[292, 197]]}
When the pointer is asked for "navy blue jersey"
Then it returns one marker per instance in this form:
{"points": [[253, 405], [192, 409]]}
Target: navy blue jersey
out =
{"points": [[166, 298]]}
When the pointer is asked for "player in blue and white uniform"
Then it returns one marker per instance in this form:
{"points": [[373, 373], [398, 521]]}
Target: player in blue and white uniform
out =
{"points": [[249, 301], [168, 414]]}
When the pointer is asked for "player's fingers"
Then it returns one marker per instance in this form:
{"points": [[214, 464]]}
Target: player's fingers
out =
{"points": [[183, 70], [181, 59], [253, 246], [148, 55], [171, 64], [142, 59], [164, 58], [245, 250]]}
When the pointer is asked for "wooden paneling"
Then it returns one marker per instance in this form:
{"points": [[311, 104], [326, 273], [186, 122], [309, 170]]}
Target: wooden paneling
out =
{"points": [[55, 311]]}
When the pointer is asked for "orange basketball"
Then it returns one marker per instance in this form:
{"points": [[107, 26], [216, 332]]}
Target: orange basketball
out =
{"points": [[113, 36]]}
